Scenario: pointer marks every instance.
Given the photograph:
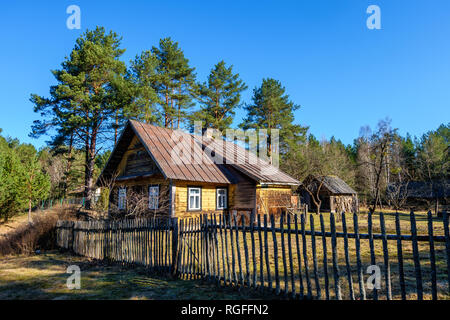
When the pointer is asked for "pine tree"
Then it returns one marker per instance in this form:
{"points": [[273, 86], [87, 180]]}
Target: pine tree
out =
{"points": [[81, 103], [219, 97], [142, 74], [36, 184], [272, 109], [11, 182], [174, 82]]}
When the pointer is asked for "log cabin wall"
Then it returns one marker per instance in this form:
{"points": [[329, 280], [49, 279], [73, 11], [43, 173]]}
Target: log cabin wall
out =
{"points": [[272, 199], [136, 160], [208, 198], [242, 193]]}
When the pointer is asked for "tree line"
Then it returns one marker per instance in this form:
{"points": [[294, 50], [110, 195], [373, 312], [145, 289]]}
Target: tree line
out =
{"points": [[96, 93]]}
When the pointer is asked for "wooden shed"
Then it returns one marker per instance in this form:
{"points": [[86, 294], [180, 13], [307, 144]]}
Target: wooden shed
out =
{"points": [[172, 173], [335, 195], [419, 194]]}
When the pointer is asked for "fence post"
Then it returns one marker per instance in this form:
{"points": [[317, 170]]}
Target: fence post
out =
{"points": [[206, 239], [72, 234], [174, 228], [447, 245], [416, 256]]}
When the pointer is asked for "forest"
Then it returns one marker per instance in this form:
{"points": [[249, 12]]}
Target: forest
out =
{"points": [[96, 92]]}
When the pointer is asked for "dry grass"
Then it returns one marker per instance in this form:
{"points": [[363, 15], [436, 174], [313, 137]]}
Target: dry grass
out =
{"points": [[40, 234]]}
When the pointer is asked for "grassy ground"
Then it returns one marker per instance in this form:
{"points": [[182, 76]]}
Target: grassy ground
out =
{"points": [[44, 276]]}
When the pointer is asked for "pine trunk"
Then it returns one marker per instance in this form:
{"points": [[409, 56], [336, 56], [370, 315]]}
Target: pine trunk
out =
{"points": [[89, 171]]}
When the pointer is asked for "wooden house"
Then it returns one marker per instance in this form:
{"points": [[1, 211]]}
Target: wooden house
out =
{"points": [[179, 174], [334, 193]]}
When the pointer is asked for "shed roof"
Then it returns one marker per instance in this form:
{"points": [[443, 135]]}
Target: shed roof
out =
{"points": [[182, 156], [334, 184]]}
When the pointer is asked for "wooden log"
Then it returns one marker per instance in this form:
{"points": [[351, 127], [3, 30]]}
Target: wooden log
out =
{"points": [[216, 251], [362, 291], [161, 244], [156, 231], [212, 249], [193, 248], [347, 257], [372, 250], [337, 284], [325, 258], [222, 246], [283, 255], [261, 254], [247, 261], [155, 245], [314, 253], [266, 253], [225, 231], [387, 267], [416, 257], [202, 247], [208, 249], [233, 258], [174, 262], [238, 252], [432, 257], [154, 242], [299, 257], [187, 245], [167, 247], [305, 255], [447, 246], [275, 255], [183, 228], [189, 250], [252, 237], [291, 262]]}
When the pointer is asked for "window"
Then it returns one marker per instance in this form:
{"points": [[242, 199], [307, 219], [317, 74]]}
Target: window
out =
{"points": [[122, 199], [153, 197], [194, 198], [221, 198]]}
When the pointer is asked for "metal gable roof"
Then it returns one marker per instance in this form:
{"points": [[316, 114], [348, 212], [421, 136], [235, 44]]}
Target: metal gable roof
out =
{"points": [[183, 156]]}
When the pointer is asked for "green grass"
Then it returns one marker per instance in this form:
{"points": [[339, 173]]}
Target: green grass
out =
{"points": [[44, 276]]}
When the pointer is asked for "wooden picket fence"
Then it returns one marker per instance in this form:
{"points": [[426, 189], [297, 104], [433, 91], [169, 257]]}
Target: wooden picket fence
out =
{"points": [[292, 255], [149, 242]]}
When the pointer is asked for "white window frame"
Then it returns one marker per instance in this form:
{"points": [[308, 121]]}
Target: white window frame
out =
{"points": [[122, 198], [199, 195], [224, 196], [153, 198]]}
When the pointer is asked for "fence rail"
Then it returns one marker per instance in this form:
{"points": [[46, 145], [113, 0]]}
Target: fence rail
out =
{"points": [[298, 256]]}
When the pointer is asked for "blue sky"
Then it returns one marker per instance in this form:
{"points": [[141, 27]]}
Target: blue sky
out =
{"points": [[342, 74]]}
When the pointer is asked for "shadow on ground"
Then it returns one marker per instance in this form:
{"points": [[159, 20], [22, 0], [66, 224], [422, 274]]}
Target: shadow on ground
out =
{"points": [[44, 276]]}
